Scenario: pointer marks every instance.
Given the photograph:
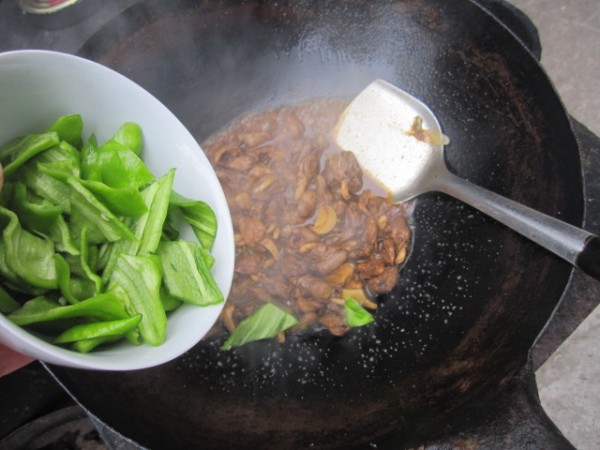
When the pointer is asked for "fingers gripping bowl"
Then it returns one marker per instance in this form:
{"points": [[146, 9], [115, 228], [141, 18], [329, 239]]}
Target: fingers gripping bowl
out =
{"points": [[36, 87]]}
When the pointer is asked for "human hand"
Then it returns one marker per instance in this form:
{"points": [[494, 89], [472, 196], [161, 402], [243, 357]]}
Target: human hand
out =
{"points": [[11, 360]]}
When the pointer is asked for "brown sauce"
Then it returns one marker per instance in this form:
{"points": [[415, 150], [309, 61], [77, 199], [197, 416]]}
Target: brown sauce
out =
{"points": [[309, 230]]}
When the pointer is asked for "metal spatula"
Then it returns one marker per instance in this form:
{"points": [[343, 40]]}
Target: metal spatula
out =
{"points": [[398, 140]]}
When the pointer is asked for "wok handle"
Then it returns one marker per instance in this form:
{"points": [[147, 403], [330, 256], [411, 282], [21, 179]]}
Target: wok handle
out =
{"points": [[588, 259], [579, 247]]}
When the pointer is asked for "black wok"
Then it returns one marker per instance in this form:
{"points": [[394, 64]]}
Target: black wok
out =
{"points": [[473, 296]]}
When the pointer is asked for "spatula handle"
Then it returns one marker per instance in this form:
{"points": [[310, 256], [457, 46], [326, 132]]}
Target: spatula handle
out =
{"points": [[579, 247], [588, 259]]}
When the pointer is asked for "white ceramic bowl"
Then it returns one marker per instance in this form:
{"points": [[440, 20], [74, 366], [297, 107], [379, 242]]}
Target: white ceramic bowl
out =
{"points": [[36, 87]]}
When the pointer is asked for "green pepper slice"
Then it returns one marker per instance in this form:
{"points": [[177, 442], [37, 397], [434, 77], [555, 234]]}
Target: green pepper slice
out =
{"points": [[98, 330], [115, 165], [7, 303], [30, 257], [126, 202], [264, 323], [87, 209], [60, 234], [186, 275], [200, 216], [87, 345], [130, 135], [60, 161], [27, 148], [105, 306], [46, 186], [69, 128], [136, 280], [147, 228], [35, 213], [356, 315], [63, 275]]}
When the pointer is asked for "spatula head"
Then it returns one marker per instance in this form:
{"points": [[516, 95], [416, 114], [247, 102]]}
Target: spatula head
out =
{"points": [[381, 126]]}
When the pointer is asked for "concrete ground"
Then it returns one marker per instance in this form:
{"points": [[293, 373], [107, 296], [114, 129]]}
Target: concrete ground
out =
{"points": [[569, 381]]}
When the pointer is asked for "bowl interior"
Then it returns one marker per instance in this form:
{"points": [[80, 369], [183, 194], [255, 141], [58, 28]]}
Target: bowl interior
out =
{"points": [[36, 87]]}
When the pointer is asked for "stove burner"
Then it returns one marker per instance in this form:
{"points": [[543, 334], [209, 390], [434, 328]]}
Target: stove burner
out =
{"points": [[45, 6], [67, 428]]}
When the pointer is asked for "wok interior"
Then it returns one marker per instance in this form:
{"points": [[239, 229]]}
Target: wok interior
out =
{"points": [[473, 295]]}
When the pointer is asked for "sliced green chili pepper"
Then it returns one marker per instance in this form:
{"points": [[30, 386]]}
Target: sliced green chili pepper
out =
{"points": [[98, 330], [63, 275], [147, 228], [28, 256], [88, 256], [60, 161], [7, 303], [89, 210], [27, 148], [89, 157], [9, 150], [356, 315], [60, 234], [87, 345], [200, 216], [85, 282], [46, 186], [209, 259], [137, 280], [264, 323], [117, 166], [130, 136], [83, 288], [34, 309], [105, 306], [35, 214], [186, 275], [84, 260], [169, 302], [12, 280], [6, 193], [59, 170], [126, 202], [170, 231], [69, 129]]}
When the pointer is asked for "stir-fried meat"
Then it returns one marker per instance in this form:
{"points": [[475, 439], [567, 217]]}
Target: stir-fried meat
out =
{"points": [[308, 231], [314, 287], [298, 237], [387, 250], [342, 169], [307, 204], [292, 265], [383, 282], [276, 285], [332, 261], [251, 229], [249, 264], [333, 319], [255, 138], [370, 268]]}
